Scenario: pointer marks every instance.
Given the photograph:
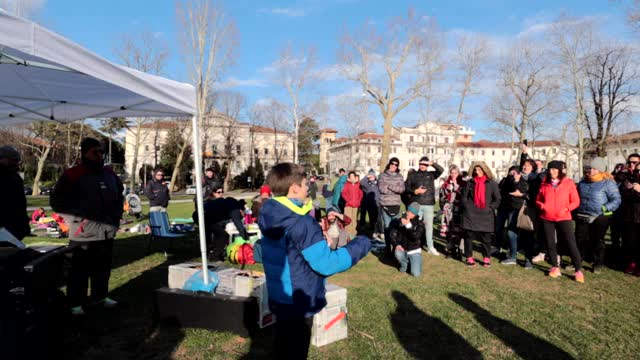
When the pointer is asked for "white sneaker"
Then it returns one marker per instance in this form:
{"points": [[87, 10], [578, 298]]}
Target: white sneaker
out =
{"points": [[77, 311], [108, 303], [434, 252], [538, 258]]}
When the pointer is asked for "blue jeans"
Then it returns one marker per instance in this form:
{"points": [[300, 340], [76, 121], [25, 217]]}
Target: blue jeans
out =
{"points": [[426, 214], [414, 260], [511, 218]]}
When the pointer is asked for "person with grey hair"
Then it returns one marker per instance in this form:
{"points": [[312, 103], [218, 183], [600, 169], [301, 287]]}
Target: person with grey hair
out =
{"points": [[13, 212]]}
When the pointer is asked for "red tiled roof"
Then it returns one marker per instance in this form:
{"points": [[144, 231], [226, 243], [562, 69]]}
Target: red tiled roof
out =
{"points": [[329, 130], [264, 129], [492, 144]]}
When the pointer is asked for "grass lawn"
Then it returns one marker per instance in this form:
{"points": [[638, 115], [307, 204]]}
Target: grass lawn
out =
{"points": [[452, 311], [33, 201]]}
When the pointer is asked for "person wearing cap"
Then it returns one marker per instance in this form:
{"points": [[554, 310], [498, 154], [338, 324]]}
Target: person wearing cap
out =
{"points": [[421, 188], [513, 191], [157, 192], [89, 198], [556, 200], [209, 183], [406, 235], [370, 204], [599, 198], [334, 228], [480, 199], [391, 186], [13, 212], [258, 201]]}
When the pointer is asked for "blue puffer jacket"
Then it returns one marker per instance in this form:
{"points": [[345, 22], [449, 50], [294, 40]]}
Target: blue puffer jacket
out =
{"points": [[593, 195], [297, 259]]}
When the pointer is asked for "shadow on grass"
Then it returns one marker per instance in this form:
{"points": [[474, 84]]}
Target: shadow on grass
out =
{"points": [[135, 247], [427, 337], [127, 331], [523, 343]]}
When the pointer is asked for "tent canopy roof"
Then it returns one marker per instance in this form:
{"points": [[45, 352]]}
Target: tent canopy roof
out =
{"points": [[45, 76]]}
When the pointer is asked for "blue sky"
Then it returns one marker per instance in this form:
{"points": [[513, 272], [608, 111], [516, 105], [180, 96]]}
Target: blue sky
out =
{"points": [[267, 26]]}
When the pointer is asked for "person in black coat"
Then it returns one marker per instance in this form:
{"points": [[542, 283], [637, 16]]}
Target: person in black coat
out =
{"points": [[13, 212], [513, 191], [480, 199], [406, 235], [157, 191]]}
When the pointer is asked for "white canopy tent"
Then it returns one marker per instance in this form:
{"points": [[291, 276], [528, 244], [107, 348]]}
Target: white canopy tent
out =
{"points": [[44, 76]]}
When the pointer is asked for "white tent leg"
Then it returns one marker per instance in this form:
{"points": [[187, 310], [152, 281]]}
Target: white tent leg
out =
{"points": [[197, 154]]}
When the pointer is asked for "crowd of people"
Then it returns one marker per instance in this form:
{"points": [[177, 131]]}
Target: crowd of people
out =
{"points": [[534, 209]]}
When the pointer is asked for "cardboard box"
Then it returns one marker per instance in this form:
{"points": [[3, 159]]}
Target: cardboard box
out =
{"points": [[180, 273]]}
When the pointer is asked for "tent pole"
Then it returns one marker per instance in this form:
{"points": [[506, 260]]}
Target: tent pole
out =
{"points": [[197, 154]]}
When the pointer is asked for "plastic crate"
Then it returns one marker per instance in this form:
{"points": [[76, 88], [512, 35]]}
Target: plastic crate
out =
{"points": [[180, 273]]}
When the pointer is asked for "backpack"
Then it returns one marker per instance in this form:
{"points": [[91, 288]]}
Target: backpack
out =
{"points": [[245, 254]]}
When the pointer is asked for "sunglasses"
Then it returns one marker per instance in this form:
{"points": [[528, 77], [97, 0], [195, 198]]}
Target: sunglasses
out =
{"points": [[219, 192], [425, 164], [394, 164], [632, 162]]}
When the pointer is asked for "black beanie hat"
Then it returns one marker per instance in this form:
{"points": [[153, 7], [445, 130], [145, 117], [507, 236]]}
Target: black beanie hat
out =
{"points": [[393, 159], [556, 164], [88, 144], [424, 158]]}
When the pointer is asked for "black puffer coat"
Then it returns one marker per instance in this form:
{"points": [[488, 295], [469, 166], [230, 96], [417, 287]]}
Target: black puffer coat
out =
{"points": [[415, 179]]}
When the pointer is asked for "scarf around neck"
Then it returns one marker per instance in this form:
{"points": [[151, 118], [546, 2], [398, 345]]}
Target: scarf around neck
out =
{"points": [[600, 177], [479, 199]]}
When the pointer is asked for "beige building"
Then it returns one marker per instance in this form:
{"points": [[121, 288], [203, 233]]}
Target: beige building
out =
{"points": [[620, 147], [436, 141], [250, 143]]}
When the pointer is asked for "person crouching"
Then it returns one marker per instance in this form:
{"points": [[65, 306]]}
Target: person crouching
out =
{"points": [[406, 236]]}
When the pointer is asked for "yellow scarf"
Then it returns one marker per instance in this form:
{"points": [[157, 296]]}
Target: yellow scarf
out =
{"points": [[600, 177]]}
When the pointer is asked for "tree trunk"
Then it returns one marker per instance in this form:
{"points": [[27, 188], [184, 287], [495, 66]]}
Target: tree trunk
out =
{"points": [[110, 147], [176, 168], [134, 162], [42, 159], [386, 139], [227, 178]]}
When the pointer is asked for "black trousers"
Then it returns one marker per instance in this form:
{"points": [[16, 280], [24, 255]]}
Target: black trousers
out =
{"points": [[370, 209], [91, 260], [632, 231], [562, 230], [590, 238], [217, 241], [484, 238], [292, 338]]}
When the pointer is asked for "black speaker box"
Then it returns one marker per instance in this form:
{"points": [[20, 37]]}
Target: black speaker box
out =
{"points": [[207, 311]]}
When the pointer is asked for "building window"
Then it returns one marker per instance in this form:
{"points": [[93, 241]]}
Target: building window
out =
{"points": [[357, 149], [482, 152], [214, 149], [493, 164], [369, 149], [544, 151], [410, 138], [357, 162], [504, 152], [513, 152], [462, 164], [493, 152], [286, 152], [146, 148], [266, 151], [256, 151], [473, 152], [238, 149], [379, 149], [461, 152], [446, 140], [266, 166], [238, 165], [617, 152]]}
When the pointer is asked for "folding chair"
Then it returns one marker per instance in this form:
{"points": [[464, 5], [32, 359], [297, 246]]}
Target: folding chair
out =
{"points": [[159, 223]]}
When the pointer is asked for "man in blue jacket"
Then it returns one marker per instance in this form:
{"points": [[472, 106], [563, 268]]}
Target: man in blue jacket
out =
{"points": [[297, 259]]}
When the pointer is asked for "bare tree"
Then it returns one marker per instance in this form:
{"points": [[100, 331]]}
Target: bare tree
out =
{"points": [[273, 115], [470, 56], [381, 62], [295, 72], [209, 38], [528, 88], [573, 43], [146, 53], [612, 80], [39, 138], [230, 106], [353, 111]]}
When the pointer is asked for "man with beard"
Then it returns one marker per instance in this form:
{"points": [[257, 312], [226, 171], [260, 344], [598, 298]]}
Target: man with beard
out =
{"points": [[89, 198]]}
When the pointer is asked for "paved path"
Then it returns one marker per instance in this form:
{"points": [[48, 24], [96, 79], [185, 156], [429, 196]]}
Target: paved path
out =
{"points": [[235, 194]]}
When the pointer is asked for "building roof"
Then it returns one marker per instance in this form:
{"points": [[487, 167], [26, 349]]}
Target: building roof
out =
{"points": [[633, 135], [328, 130], [506, 145], [267, 130]]}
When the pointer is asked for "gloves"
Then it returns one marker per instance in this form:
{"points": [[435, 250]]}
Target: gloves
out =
{"points": [[605, 212]]}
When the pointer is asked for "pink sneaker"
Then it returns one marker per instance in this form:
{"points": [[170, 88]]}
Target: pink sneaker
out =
{"points": [[486, 262], [470, 261], [631, 268], [554, 272], [580, 277]]}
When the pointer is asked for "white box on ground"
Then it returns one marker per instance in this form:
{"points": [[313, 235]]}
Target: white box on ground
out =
{"points": [[330, 324], [227, 281], [180, 273], [247, 282]]}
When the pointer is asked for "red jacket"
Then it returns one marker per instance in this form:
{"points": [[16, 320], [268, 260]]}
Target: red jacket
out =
{"points": [[352, 194], [557, 204]]}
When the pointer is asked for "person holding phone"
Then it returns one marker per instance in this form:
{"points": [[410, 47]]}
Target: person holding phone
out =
{"points": [[421, 187]]}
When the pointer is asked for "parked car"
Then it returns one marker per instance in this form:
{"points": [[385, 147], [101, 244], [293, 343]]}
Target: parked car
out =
{"points": [[191, 190], [45, 190], [28, 190]]}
